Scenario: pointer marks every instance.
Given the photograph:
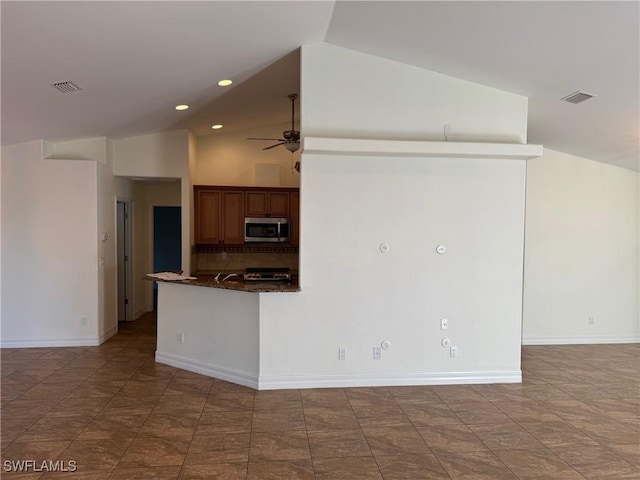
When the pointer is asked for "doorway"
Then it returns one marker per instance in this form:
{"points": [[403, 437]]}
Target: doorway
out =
{"points": [[123, 260], [167, 243]]}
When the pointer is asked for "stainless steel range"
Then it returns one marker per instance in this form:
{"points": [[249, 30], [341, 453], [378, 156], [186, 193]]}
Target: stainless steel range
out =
{"points": [[268, 274]]}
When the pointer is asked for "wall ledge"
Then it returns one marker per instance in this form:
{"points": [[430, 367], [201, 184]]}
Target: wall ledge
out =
{"points": [[351, 146]]}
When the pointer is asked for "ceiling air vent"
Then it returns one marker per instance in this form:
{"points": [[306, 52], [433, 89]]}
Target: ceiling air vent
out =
{"points": [[578, 97], [66, 87]]}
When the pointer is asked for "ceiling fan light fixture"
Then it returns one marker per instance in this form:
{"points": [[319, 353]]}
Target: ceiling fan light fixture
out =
{"points": [[292, 147]]}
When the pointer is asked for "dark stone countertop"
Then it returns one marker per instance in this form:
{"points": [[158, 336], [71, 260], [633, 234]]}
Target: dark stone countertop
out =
{"points": [[235, 284]]}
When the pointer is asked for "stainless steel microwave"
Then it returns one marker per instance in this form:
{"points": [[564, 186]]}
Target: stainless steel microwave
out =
{"points": [[268, 229]]}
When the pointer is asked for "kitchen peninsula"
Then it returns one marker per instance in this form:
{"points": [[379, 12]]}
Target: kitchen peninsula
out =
{"points": [[212, 327]]}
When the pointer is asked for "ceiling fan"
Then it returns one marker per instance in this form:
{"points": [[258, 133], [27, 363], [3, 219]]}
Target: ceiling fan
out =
{"points": [[290, 138]]}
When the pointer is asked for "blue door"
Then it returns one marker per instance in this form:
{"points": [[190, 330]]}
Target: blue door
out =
{"points": [[167, 243]]}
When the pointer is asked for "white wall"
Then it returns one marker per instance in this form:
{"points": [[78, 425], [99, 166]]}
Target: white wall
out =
{"points": [[582, 248], [146, 195], [50, 254], [231, 159], [354, 296], [348, 94], [161, 155]]}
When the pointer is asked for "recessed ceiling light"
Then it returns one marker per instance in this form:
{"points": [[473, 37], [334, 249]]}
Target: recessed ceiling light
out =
{"points": [[182, 107], [225, 83], [216, 126]]}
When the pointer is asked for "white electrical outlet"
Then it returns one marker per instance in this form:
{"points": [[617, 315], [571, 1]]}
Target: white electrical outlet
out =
{"points": [[342, 354], [180, 337], [83, 321], [444, 324], [591, 321], [453, 352], [377, 353]]}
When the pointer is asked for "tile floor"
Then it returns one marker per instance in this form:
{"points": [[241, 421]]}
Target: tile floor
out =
{"points": [[119, 415]]}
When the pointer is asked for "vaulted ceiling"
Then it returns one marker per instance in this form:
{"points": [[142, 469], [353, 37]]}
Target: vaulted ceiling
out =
{"points": [[136, 60]]}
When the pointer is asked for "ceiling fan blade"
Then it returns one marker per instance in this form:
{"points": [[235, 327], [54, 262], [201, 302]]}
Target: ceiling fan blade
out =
{"points": [[276, 139], [273, 146]]}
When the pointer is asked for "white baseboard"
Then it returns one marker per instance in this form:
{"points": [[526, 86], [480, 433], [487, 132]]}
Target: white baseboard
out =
{"points": [[234, 376], [388, 380], [108, 334], [337, 381], [50, 342], [577, 340]]}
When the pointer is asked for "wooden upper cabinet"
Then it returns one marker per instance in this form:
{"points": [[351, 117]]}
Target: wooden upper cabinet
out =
{"points": [[208, 224], [256, 204], [219, 216], [233, 218], [278, 204], [266, 203]]}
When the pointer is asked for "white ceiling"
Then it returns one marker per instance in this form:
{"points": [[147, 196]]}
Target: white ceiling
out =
{"points": [[136, 60]]}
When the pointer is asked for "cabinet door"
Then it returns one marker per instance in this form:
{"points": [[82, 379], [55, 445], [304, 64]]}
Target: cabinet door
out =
{"points": [[207, 214], [256, 204], [233, 217], [294, 211], [278, 204]]}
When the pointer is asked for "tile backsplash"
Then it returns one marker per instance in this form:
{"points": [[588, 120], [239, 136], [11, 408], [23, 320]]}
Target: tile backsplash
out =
{"points": [[213, 262]]}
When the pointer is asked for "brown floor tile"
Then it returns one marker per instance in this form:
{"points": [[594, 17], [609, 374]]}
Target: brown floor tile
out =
{"points": [[78, 475], [277, 399], [477, 413], [189, 386], [278, 420], [167, 425], [73, 406], [526, 411], [395, 441], [215, 422], [411, 467], [325, 397], [279, 446], [557, 434], [597, 462], [233, 447], [451, 439], [108, 426], [217, 471], [352, 468], [289, 470], [55, 428], [229, 402], [506, 436], [422, 415], [630, 452], [536, 464], [607, 431], [146, 473], [58, 390], [385, 414], [475, 466], [338, 443], [96, 454], [123, 404], [329, 418], [39, 451], [174, 404], [156, 452]]}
